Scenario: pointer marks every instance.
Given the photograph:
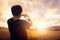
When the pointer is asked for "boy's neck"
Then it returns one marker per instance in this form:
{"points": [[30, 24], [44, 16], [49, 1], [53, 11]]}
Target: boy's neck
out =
{"points": [[15, 18]]}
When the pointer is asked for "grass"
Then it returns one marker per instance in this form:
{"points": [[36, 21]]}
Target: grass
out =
{"points": [[52, 35]]}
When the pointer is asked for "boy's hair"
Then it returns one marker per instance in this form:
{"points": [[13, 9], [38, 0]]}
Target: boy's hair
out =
{"points": [[16, 10]]}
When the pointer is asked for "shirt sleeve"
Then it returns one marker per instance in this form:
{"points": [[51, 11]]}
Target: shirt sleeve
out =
{"points": [[26, 24]]}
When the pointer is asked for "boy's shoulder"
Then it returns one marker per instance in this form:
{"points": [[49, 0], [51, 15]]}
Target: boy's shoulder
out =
{"points": [[23, 20], [9, 19]]}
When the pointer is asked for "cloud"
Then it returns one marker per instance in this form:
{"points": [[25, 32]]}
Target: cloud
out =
{"points": [[51, 3]]}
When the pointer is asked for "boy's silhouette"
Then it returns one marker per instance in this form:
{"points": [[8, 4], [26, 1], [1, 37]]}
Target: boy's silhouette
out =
{"points": [[17, 27]]}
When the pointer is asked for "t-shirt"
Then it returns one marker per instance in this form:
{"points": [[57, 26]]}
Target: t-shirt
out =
{"points": [[17, 28]]}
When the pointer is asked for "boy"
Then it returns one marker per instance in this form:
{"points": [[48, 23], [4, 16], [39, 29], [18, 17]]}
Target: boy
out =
{"points": [[17, 27]]}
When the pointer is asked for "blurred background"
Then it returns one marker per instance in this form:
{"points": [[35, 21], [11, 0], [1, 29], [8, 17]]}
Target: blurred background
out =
{"points": [[44, 14]]}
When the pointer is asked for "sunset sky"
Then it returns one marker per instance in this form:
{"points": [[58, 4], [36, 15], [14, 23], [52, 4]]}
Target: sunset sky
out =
{"points": [[44, 12]]}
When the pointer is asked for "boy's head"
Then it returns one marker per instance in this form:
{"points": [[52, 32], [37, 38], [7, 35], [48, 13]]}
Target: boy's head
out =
{"points": [[16, 10]]}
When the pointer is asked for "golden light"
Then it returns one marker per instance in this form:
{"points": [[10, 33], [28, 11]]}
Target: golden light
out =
{"points": [[42, 32], [38, 22], [42, 23]]}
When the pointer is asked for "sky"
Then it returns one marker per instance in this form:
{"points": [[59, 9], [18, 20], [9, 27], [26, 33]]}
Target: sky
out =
{"points": [[46, 10]]}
